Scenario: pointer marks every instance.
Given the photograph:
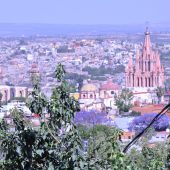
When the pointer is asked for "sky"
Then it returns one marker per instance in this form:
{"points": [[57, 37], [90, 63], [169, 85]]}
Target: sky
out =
{"points": [[85, 11]]}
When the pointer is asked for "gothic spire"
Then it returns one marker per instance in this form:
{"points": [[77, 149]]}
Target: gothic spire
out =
{"points": [[130, 63], [147, 42]]}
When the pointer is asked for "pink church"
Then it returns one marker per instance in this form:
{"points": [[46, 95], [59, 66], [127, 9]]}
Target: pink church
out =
{"points": [[147, 71]]}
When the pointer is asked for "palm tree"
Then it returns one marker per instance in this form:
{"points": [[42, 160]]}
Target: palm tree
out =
{"points": [[159, 93]]}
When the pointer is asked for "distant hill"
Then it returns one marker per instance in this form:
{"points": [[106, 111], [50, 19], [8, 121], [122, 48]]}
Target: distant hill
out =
{"points": [[18, 30]]}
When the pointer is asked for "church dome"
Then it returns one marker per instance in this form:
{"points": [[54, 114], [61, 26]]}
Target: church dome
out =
{"points": [[89, 87]]}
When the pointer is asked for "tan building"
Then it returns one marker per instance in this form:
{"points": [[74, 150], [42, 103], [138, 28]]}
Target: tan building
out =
{"points": [[6, 92], [98, 97], [21, 91], [10, 92], [107, 92]]}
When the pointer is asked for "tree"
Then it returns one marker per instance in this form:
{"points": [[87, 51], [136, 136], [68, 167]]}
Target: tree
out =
{"points": [[139, 123], [123, 100], [90, 118], [153, 158], [159, 93], [57, 144]]}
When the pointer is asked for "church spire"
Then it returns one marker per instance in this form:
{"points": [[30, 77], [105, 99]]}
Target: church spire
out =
{"points": [[158, 63], [147, 42], [130, 63], [147, 70]]}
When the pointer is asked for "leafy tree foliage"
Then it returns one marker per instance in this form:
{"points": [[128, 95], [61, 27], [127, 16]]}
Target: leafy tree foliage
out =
{"points": [[139, 123], [159, 93], [57, 143], [90, 118], [152, 158], [123, 100], [102, 70]]}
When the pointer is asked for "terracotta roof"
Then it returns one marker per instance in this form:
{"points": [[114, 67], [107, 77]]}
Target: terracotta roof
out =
{"points": [[109, 85], [141, 92], [155, 108]]}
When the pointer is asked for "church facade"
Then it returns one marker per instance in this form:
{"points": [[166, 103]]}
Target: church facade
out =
{"points": [[145, 74]]}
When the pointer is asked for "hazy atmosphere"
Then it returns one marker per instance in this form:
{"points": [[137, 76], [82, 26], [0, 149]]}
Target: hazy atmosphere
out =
{"points": [[84, 84], [85, 11]]}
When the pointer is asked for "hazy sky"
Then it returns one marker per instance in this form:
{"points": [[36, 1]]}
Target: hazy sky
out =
{"points": [[85, 11]]}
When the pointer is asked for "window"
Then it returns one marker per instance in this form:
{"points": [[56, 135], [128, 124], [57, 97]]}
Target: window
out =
{"points": [[112, 92], [149, 82], [145, 66], [138, 81], [6, 96], [146, 82], [21, 95], [149, 66], [91, 96]]}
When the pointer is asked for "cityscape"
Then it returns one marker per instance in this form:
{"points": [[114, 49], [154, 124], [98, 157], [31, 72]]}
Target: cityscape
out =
{"points": [[85, 91]]}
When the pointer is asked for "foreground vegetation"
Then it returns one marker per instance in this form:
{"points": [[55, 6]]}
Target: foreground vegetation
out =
{"points": [[58, 142]]}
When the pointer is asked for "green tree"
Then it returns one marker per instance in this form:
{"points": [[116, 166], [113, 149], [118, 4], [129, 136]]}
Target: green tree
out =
{"points": [[159, 93], [57, 144], [124, 100], [151, 158]]}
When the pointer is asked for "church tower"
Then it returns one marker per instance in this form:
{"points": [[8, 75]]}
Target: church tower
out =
{"points": [[147, 71]]}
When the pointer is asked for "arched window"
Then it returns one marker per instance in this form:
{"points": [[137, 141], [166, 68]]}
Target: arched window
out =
{"points": [[12, 93], [149, 66], [138, 81], [91, 96], [145, 82], [6, 96], [20, 94], [142, 66], [112, 92], [84, 96], [155, 80], [149, 82], [145, 66]]}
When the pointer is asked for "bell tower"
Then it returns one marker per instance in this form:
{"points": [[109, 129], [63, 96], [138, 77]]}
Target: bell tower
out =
{"points": [[147, 72]]}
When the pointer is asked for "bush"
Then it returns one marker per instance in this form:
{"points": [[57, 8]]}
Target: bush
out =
{"points": [[134, 113]]}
